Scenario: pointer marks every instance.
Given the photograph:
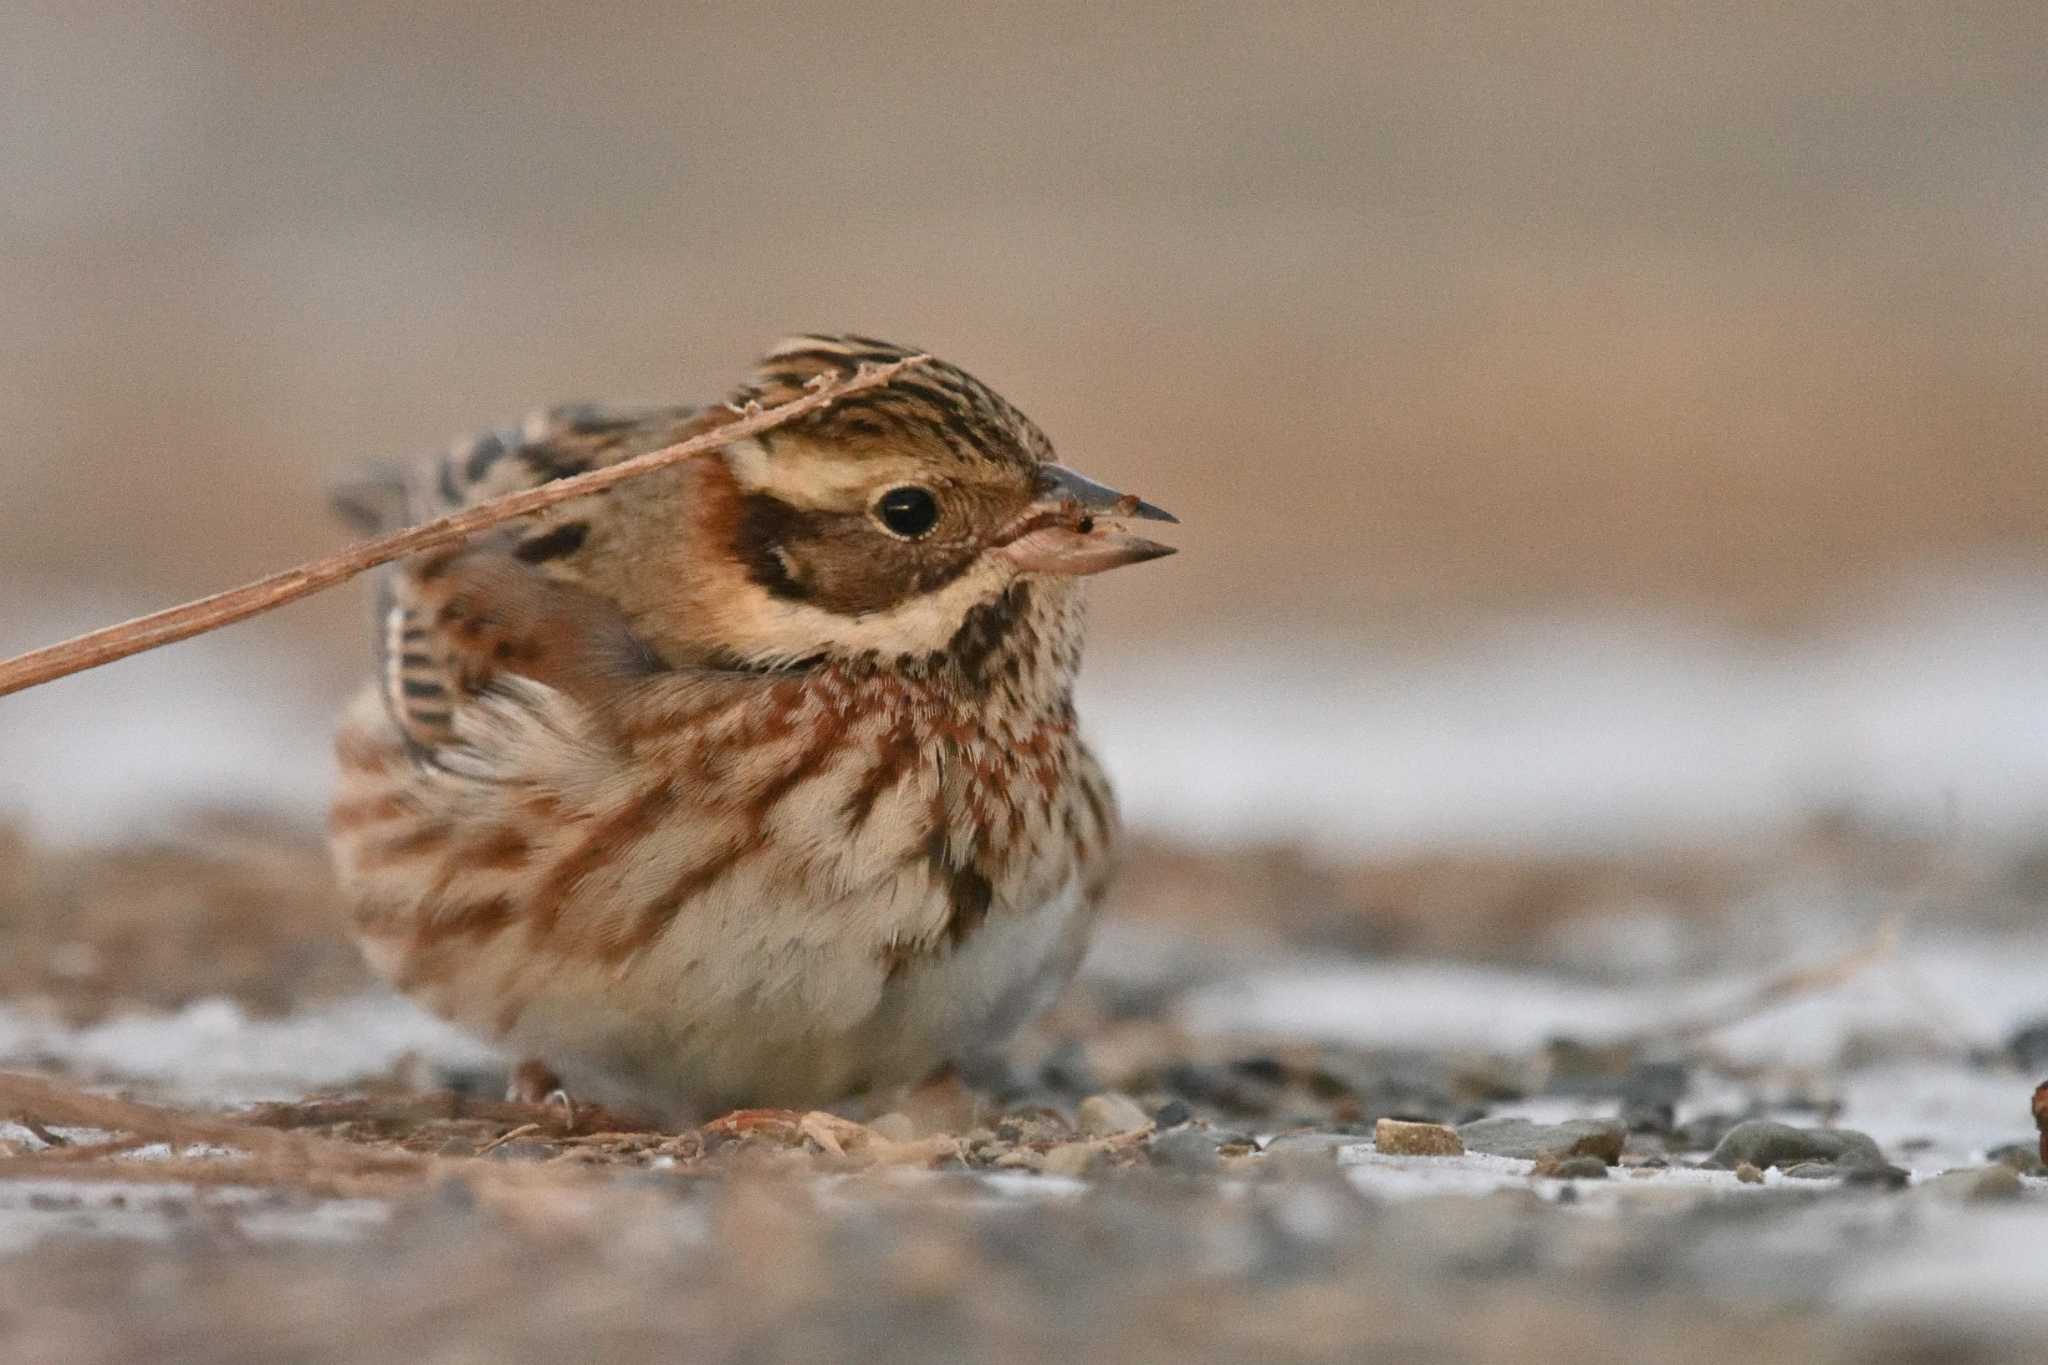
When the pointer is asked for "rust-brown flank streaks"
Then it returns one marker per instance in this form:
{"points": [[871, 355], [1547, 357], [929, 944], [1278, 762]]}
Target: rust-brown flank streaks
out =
{"points": [[476, 920], [503, 850], [648, 923], [824, 744], [367, 810], [894, 756], [427, 838], [610, 839]]}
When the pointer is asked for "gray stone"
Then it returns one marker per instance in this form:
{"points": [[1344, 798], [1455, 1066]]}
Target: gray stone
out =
{"points": [[1762, 1143], [1814, 1170], [1514, 1137]]}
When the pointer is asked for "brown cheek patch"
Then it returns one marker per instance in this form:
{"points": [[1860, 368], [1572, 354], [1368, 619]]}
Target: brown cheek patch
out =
{"points": [[763, 533], [838, 561]]}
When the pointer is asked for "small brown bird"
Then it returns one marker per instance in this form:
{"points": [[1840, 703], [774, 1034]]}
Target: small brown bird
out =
{"points": [[754, 781]]}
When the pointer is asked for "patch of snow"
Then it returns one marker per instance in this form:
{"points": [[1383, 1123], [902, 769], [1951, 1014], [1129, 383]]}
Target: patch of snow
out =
{"points": [[1958, 991], [213, 1052], [1596, 733]]}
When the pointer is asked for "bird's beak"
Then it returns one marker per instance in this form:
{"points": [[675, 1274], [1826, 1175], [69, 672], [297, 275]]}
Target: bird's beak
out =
{"points": [[1063, 531]]}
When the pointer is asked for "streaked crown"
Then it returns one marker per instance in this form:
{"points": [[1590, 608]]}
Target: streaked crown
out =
{"points": [[937, 402]]}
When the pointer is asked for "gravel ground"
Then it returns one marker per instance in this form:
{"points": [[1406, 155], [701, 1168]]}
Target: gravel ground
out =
{"points": [[227, 1144]]}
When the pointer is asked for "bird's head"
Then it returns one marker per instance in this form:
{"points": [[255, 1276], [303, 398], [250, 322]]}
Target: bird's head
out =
{"points": [[879, 525]]}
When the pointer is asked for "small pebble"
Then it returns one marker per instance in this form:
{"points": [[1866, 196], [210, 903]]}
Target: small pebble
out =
{"points": [[1172, 1114], [1108, 1114], [1392, 1137], [1570, 1168], [1748, 1174]]}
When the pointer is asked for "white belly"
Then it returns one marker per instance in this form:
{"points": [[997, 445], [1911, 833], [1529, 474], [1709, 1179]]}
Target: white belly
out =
{"points": [[795, 1034]]}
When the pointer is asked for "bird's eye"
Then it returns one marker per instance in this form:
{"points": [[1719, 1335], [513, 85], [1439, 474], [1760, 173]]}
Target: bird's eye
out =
{"points": [[908, 511]]}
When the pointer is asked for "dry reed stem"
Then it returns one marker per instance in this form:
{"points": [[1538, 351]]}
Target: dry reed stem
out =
{"points": [[224, 608], [261, 1156], [48, 1101], [258, 1155], [415, 1111]]}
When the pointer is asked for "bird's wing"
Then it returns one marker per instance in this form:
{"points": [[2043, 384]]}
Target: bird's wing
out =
{"points": [[456, 625], [551, 443], [512, 601]]}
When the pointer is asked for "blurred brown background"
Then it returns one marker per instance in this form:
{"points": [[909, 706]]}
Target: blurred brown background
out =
{"points": [[1413, 315]]}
